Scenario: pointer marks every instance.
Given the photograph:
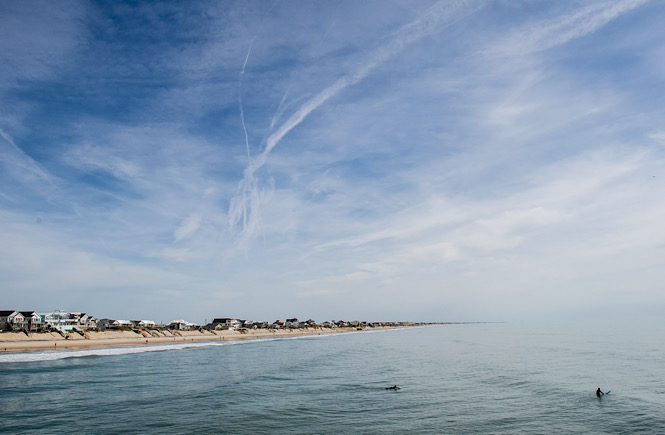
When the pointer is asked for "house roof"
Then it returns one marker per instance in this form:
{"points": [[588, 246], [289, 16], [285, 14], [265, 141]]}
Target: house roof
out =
{"points": [[221, 319], [6, 313]]}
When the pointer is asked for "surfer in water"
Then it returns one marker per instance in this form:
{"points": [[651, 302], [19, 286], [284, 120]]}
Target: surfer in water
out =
{"points": [[599, 393], [394, 387]]}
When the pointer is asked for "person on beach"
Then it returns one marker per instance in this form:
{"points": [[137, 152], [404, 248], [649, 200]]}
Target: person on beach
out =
{"points": [[599, 393]]}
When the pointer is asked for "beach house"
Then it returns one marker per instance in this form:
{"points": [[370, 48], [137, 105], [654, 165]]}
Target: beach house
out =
{"points": [[181, 325], [17, 321], [32, 321], [87, 321], [292, 323], [122, 324], [147, 324], [105, 323], [223, 323], [20, 323], [57, 320], [7, 319]]}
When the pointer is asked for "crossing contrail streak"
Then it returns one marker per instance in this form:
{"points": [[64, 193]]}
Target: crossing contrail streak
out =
{"points": [[244, 206], [242, 112]]}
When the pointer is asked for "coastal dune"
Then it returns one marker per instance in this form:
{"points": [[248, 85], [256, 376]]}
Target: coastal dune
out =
{"points": [[20, 341]]}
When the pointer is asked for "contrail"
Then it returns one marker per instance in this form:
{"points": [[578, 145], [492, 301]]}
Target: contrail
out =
{"points": [[242, 112], [546, 34], [244, 65], [248, 185], [280, 108], [27, 162], [439, 16]]}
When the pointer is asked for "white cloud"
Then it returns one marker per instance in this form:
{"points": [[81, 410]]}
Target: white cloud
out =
{"points": [[173, 254], [245, 205], [20, 166], [548, 33], [188, 227], [36, 38], [408, 159], [91, 158]]}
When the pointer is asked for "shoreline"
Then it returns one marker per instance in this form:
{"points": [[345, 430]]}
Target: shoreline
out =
{"points": [[20, 342]]}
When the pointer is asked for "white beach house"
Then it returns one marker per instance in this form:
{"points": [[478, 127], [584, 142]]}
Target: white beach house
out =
{"points": [[8, 318], [122, 323], [181, 325], [225, 323]]}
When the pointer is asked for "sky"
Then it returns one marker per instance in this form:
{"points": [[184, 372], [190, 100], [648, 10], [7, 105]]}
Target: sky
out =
{"points": [[358, 160]]}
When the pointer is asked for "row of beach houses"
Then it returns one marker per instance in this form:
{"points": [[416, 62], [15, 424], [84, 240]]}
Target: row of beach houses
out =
{"points": [[294, 323], [11, 320], [32, 321]]}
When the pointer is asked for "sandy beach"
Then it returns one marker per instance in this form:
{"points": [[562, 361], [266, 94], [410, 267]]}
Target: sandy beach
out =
{"points": [[19, 341]]}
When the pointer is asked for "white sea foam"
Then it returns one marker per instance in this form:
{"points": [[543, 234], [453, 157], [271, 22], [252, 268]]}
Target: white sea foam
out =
{"points": [[52, 355]]}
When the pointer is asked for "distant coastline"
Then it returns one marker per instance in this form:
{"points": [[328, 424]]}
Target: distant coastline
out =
{"points": [[13, 341], [31, 330]]}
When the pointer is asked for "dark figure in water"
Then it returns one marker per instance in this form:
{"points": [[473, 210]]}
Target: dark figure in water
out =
{"points": [[599, 393], [394, 387]]}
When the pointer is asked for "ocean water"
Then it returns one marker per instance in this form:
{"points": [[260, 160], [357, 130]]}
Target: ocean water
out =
{"points": [[456, 379]]}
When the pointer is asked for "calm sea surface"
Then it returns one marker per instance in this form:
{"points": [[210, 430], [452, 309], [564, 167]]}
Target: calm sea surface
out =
{"points": [[477, 378]]}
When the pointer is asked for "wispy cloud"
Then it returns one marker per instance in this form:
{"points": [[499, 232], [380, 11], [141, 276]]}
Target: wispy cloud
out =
{"points": [[425, 160], [443, 14], [20, 169], [15, 158], [188, 227], [548, 33], [567, 215]]}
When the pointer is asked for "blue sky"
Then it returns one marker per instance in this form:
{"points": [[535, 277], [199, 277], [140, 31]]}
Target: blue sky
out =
{"points": [[377, 160]]}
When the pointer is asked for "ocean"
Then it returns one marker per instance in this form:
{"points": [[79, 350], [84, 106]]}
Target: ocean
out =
{"points": [[455, 379]]}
